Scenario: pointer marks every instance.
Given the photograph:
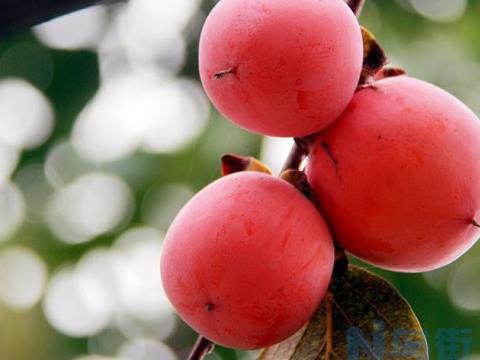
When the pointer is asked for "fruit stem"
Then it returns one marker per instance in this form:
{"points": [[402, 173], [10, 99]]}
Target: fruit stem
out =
{"points": [[356, 6], [201, 349], [295, 158], [298, 153], [475, 223]]}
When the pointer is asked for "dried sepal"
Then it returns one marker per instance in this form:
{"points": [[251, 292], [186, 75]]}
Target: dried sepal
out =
{"points": [[356, 6], [232, 163], [374, 58], [388, 72], [299, 180]]}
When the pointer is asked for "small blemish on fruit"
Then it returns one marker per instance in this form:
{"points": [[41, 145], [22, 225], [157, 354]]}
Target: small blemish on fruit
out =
{"points": [[249, 227], [389, 72], [209, 307], [302, 100], [221, 74], [285, 239], [379, 137]]}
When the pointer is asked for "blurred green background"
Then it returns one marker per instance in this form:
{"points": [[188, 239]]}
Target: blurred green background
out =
{"points": [[105, 133]]}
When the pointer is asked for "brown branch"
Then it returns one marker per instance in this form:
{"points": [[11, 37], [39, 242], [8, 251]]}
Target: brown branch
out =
{"points": [[201, 349], [294, 159], [298, 153], [356, 6], [22, 14]]}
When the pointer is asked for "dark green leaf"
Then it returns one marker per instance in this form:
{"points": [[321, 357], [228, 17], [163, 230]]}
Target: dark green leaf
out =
{"points": [[362, 317]]}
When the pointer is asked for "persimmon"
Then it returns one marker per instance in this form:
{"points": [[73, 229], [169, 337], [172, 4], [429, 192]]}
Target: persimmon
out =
{"points": [[398, 175], [247, 261], [281, 67]]}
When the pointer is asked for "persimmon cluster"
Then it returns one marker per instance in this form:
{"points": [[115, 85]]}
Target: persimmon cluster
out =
{"points": [[394, 166]]}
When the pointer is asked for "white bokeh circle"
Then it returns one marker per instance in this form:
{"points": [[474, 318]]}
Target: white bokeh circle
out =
{"points": [[22, 277], [26, 115]]}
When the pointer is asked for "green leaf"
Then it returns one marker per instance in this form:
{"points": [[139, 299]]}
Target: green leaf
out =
{"points": [[362, 317]]}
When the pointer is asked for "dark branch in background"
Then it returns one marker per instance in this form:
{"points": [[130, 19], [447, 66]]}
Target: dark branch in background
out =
{"points": [[22, 14], [201, 349]]}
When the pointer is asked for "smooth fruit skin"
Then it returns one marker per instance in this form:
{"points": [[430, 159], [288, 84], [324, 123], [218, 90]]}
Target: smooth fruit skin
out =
{"points": [[247, 261], [281, 67], [398, 176]]}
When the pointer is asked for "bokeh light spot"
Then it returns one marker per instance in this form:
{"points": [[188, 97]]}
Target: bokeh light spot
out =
{"points": [[93, 204], [440, 10], [12, 210], [274, 152], [22, 277], [63, 165], [146, 349], [162, 204], [178, 113], [78, 30], [77, 305], [26, 116], [464, 287], [142, 294]]}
